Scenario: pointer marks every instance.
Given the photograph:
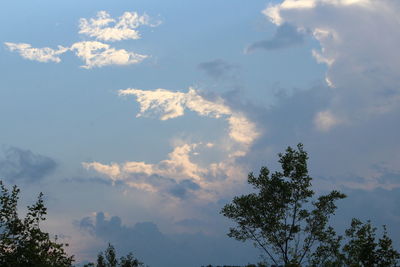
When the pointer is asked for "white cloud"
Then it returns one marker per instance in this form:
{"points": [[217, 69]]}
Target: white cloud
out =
{"points": [[113, 170], [94, 53], [274, 12], [122, 29], [178, 166], [325, 120], [44, 54], [97, 54], [180, 170], [187, 160], [359, 44], [171, 104]]}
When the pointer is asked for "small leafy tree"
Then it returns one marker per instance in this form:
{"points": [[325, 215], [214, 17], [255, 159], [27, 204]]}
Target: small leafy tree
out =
{"points": [[109, 259], [362, 248], [22, 242], [280, 217]]}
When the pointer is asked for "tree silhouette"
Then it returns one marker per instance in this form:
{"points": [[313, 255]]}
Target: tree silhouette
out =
{"points": [[283, 220], [22, 242], [109, 259]]}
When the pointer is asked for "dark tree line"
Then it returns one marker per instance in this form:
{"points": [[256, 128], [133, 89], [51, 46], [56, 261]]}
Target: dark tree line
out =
{"points": [[281, 217], [23, 243], [109, 259]]}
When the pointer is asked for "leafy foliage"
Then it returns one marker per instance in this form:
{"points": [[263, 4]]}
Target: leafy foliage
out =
{"points": [[109, 259], [362, 248], [22, 242], [280, 217]]}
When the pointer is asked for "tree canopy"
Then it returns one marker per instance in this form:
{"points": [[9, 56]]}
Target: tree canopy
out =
{"points": [[109, 259], [291, 227], [22, 242]]}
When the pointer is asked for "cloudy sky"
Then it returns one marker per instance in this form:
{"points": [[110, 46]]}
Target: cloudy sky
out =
{"points": [[140, 119]]}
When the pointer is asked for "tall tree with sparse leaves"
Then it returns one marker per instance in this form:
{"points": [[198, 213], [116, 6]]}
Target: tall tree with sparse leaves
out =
{"points": [[22, 242], [283, 220], [280, 217]]}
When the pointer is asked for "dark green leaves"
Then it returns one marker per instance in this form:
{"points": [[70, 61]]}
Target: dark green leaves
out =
{"points": [[282, 219], [109, 259], [22, 242]]}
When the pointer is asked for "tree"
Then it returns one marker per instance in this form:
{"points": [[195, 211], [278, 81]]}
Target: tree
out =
{"points": [[280, 217], [282, 220], [22, 242], [362, 248], [109, 259]]}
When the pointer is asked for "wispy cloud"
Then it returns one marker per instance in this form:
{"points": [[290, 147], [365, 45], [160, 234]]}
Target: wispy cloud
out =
{"points": [[97, 54], [170, 104], [168, 176], [44, 54], [183, 171], [217, 68], [325, 120], [122, 29], [286, 36], [94, 53]]}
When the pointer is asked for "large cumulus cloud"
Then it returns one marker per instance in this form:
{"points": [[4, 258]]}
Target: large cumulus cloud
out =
{"points": [[349, 124]]}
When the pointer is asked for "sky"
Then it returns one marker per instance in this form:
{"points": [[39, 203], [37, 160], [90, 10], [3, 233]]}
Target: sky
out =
{"points": [[140, 119]]}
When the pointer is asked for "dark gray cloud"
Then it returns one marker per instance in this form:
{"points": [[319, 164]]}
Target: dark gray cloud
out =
{"points": [[23, 165], [351, 149], [217, 68], [159, 250], [379, 205], [165, 185], [181, 189], [360, 158], [286, 35], [86, 180]]}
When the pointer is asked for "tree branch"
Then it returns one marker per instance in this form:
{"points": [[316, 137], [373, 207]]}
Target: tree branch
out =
{"points": [[262, 246]]}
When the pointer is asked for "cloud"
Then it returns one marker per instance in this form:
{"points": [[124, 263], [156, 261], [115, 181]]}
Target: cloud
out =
{"points": [[171, 104], [97, 54], [45, 54], [358, 43], [368, 205], [216, 68], [286, 36], [325, 120], [186, 169], [274, 12], [367, 149], [124, 28], [94, 53], [23, 165], [144, 238], [350, 125], [177, 175]]}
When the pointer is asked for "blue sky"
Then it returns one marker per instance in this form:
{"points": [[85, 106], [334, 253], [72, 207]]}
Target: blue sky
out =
{"points": [[139, 122]]}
